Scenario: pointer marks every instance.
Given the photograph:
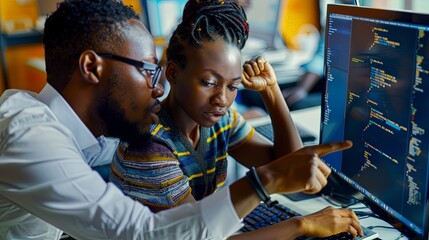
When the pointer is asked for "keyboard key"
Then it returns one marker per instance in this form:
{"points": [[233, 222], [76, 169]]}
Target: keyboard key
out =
{"points": [[263, 216]]}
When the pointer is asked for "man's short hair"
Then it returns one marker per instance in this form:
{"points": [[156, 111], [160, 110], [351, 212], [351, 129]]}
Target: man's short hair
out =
{"points": [[79, 25]]}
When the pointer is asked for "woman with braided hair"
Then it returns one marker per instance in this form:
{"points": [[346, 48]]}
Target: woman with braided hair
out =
{"points": [[197, 130]]}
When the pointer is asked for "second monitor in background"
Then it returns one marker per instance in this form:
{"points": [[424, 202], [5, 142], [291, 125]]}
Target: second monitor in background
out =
{"points": [[163, 16], [263, 17]]}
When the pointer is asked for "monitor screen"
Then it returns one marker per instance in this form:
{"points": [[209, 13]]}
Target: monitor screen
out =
{"points": [[263, 17], [163, 16], [377, 95]]}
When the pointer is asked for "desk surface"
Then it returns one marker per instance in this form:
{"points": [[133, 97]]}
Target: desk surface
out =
{"points": [[312, 205], [310, 119]]}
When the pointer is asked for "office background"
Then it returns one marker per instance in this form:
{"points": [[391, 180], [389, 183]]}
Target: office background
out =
{"points": [[22, 23]]}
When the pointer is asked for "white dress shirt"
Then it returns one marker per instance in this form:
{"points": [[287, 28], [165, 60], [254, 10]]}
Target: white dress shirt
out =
{"points": [[46, 154]]}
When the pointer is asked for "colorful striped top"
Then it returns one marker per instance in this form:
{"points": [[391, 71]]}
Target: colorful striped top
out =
{"points": [[167, 171]]}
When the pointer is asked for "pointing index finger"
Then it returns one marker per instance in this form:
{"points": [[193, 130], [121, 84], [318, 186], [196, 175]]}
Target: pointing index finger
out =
{"points": [[327, 148]]}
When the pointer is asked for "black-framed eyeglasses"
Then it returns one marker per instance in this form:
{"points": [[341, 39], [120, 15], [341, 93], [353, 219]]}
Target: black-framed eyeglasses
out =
{"points": [[152, 69]]}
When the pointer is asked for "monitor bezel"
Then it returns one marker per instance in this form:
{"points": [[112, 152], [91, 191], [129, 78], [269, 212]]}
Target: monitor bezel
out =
{"points": [[336, 181]]}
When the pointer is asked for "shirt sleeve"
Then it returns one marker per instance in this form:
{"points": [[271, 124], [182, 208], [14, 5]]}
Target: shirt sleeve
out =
{"points": [[43, 172], [151, 175], [105, 158], [241, 130]]}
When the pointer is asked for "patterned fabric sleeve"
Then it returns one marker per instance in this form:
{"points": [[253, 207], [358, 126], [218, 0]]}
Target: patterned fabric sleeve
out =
{"points": [[241, 131], [152, 175]]}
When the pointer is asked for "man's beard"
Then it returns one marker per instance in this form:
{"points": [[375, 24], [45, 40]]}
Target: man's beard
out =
{"points": [[120, 127]]}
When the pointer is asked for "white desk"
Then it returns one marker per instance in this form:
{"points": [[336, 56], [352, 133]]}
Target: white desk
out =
{"points": [[310, 119], [308, 206]]}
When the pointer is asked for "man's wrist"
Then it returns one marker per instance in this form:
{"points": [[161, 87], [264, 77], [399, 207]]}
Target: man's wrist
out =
{"points": [[299, 225], [258, 187], [266, 178]]}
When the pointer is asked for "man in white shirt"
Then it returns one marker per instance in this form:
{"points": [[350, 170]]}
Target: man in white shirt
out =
{"points": [[102, 81]]}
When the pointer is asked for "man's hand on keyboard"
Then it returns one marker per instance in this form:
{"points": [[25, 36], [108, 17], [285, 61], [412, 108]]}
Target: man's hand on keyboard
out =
{"points": [[300, 171], [280, 222], [330, 221]]}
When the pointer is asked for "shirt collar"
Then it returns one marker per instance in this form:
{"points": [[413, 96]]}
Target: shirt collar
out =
{"points": [[66, 115]]}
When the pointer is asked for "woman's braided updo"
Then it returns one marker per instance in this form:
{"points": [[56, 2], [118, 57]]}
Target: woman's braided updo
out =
{"points": [[206, 21]]}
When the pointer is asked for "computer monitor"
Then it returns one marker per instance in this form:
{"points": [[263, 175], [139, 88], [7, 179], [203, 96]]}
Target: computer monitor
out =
{"points": [[263, 17], [163, 16], [377, 95]]}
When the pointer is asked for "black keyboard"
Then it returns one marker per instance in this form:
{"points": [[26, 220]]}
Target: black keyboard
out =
{"points": [[267, 131], [264, 216]]}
